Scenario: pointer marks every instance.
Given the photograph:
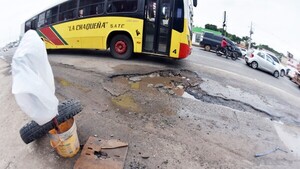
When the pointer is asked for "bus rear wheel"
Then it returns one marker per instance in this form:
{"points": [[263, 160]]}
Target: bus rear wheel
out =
{"points": [[121, 47]]}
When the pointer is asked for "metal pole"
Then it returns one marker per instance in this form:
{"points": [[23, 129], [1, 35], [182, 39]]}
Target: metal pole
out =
{"points": [[224, 23], [251, 32]]}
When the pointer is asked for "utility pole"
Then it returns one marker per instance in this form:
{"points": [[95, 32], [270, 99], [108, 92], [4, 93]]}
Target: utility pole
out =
{"points": [[224, 23], [250, 39]]}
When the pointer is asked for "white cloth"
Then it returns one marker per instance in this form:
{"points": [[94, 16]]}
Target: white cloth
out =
{"points": [[33, 82]]}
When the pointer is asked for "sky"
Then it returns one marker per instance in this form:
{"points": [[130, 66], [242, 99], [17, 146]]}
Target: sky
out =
{"points": [[275, 22]]}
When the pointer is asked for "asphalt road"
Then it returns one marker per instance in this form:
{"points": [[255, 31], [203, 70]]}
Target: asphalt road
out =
{"points": [[207, 59], [239, 67]]}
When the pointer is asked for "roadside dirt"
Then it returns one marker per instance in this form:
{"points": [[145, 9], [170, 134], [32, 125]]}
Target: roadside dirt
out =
{"points": [[154, 111]]}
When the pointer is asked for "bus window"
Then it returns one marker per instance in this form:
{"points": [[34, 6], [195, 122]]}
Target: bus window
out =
{"points": [[165, 13], [179, 16], [34, 23], [121, 6], [51, 15], [27, 26], [151, 11], [90, 7], [67, 10], [100, 8], [41, 21]]}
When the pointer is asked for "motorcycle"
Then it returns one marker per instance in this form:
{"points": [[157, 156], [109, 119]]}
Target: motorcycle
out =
{"points": [[228, 52]]}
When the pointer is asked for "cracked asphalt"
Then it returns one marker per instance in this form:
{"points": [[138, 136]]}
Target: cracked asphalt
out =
{"points": [[178, 114]]}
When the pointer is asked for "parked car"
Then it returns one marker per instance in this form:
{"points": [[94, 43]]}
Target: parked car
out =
{"points": [[263, 61], [291, 72], [211, 41], [296, 79], [280, 66], [244, 52]]}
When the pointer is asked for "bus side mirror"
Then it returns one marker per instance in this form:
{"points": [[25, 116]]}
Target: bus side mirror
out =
{"points": [[195, 2]]}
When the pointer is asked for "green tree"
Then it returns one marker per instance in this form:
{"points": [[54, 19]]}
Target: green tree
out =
{"points": [[211, 27]]}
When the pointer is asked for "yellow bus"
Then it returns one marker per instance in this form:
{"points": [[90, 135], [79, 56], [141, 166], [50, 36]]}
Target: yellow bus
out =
{"points": [[159, 27]]}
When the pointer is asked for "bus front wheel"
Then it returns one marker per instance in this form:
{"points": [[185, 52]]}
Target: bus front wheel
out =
{"points": [[121, 47]]}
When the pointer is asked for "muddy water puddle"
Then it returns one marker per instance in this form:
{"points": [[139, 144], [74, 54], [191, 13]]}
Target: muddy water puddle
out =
{"points": [[65, 83], [127, 102], [290, 136]]}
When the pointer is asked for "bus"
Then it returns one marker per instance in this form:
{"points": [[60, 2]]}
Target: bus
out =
{"points": [[124, 27]]}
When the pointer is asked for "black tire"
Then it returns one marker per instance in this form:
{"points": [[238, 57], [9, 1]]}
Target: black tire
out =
{"points": [[66, 110], [234, 55], [218, 51], [276, 74], [254, 65], [282, 73], [126, 48], [207, 48]]}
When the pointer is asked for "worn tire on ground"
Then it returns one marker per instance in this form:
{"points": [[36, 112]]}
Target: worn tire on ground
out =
{"points": [[66, 110]]}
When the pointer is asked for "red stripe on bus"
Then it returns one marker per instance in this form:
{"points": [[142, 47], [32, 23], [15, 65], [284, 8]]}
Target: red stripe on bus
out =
{"points": [[184, 51], [51, 36]]}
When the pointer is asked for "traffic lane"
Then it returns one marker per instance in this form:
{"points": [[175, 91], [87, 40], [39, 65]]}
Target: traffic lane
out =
{"points": [[239, 67]]}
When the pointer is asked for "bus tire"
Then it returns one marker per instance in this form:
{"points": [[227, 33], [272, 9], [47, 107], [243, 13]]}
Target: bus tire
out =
{"points": [[121, 47], [66, 110]]}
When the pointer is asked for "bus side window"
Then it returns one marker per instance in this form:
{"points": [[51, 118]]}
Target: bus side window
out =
{"points": [[80, 13], [27, 26], [100, 8], [41, 20], [91, 7], [121, 6], [151, 10], [68, 10], [51, 15]]}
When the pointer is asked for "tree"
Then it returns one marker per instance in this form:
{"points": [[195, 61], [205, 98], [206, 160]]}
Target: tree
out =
{"points": [[211, 27], [245, 38]]}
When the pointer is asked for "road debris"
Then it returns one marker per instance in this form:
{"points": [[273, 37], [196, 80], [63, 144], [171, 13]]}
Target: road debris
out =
{"points": [[269, 152], [102, 154]]}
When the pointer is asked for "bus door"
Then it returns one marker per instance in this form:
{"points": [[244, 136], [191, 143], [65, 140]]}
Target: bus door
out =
{"points": [[157, 31]]}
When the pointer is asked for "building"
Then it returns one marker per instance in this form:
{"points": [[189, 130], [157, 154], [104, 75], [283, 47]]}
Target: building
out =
{"points": [[198, 33]]}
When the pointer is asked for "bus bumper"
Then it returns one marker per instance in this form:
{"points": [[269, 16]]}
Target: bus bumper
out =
{"points": [[184, 51]]}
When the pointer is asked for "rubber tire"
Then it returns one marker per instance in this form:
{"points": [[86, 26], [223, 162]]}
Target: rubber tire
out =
{"points": [[276, 74], [234, 56], [282, 73], [128, 42], [218, 52], [66, 110], [207, 48], [253, 63]]}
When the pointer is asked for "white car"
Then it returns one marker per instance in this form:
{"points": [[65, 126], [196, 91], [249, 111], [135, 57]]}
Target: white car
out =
{"points": [[291, 72], [244, 52], [262, 60], [279, 65]]}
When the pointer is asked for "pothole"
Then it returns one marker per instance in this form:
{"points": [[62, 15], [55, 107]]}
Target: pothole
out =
{"points": [[171, 82], [185, 83]]}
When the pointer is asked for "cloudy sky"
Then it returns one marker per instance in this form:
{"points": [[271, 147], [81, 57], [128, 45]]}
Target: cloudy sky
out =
{"points": [[275, 22]]}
